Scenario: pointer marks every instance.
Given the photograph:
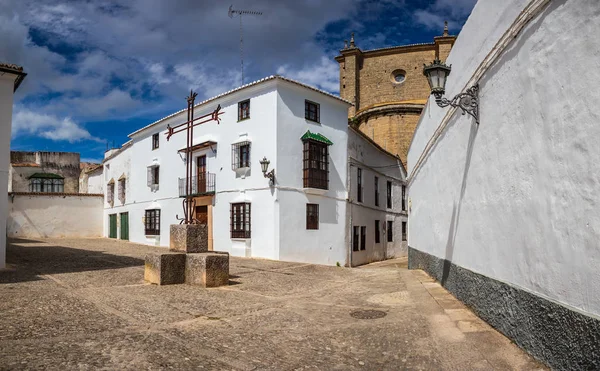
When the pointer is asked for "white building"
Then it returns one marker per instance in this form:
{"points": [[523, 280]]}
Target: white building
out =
{"points": [[11, 77], [308, 215], [505, 214]]}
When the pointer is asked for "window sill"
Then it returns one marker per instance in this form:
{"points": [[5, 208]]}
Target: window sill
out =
{"points": [[240, 239], [315, 191], [313, 121], [244, 119]]}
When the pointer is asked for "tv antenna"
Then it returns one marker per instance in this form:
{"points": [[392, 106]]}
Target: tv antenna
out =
{"points": [[232, 12]]}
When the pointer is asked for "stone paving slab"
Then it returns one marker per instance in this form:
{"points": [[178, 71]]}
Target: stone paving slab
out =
{"points": [[82, 304]]}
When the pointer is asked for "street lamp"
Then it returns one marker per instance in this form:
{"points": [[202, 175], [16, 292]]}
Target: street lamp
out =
{"points": [[437, 74], [264, 165]]}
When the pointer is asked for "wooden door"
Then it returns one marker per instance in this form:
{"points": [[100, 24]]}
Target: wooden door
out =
{"points": [[112, 223], [202, 214], [201, 172], [125, 226]]}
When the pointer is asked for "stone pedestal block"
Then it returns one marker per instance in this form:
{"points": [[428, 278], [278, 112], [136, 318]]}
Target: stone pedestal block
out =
{"points": [[207, 269], [165, 268], [189, 238]]}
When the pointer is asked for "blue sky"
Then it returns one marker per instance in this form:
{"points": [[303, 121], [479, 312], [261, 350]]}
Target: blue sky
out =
{"points": [[99, 70]]}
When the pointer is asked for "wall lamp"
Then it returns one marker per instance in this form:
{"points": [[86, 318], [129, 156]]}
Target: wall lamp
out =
{"points": [[264, 165], [468, 102]]}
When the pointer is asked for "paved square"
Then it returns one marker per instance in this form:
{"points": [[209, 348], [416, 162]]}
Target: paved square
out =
{"points": [[83, 304]]}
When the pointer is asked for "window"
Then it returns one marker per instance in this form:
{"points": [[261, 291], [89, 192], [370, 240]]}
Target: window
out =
{"points": [[46, 185], [240, 220], [359, 185], [312, 111], [240, 155], [152, 222], [122, 190], [355, 239], [403, 231], [376, 191], [389, 194], [312, 216], [244, 110], [363, 237], [390, 231], [377, 235], [315, 165], [403, 198], [155, 141], [153, 175], [110, 192]]}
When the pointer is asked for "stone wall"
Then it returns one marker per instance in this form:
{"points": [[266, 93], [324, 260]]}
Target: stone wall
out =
{"points": [[25, 164]]}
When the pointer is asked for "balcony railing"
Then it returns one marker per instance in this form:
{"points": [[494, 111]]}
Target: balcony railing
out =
{"points": [[203, 184]]}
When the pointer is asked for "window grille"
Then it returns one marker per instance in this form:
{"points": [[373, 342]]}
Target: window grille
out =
{"points": [[240, 220], [315, 165], [110, 193], [377, 235], [390, 231], [376, 191], [363, 238], [312, 216], [244, 110], [152, 222], [122, 190], [153, 175], [155, 141], [389, 194], [42, 185], [312, 111], [240, 155], [359, 185]]}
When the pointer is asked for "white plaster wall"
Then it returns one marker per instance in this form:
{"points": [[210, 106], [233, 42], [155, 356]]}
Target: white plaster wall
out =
{"points": [[41, 216], [95, 182], [6, 103], [516, 198]]}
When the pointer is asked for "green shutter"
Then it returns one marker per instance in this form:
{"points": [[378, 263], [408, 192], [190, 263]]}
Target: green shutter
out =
{"points": [[112, 232], [125, 226]]}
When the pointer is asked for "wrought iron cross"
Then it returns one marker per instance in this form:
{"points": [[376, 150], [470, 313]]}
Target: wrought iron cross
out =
{"points": [[189, 203]]}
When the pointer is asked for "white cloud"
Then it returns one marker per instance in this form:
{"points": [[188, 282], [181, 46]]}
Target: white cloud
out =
{"points": [[453, 11], [49, 127], [324, 74]]}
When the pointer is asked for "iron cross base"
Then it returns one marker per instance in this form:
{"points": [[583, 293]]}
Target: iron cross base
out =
{"points": [[188, 260]]}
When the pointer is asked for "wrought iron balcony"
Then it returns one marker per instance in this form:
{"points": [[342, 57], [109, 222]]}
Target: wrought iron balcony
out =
{"points": [[203, 184]]}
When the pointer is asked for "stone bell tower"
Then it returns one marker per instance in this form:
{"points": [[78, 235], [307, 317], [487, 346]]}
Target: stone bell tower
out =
{"points": [[388, 88]]}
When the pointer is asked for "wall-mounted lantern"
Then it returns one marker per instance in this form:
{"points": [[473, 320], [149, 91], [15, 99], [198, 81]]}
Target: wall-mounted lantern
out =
{"points": [[264, 165], [437, 74]]}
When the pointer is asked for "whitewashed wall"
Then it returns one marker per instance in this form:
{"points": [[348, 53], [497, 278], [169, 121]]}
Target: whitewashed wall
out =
{"points": [[6, 103], [95, 182], [516, 199], [373, 162], [41, 216]]}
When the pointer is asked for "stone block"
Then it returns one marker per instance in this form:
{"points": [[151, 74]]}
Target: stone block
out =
{"points": [[165, 268], [207, 269], [189, 238]]}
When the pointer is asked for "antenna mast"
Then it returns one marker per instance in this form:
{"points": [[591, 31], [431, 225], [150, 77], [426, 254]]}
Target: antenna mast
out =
{"points": [[231, 13]]}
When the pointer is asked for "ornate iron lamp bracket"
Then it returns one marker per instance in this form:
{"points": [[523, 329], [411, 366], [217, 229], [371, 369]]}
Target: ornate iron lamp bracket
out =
{"points": [[468, 101]]}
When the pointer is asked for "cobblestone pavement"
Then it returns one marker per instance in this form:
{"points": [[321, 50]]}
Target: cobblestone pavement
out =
{"points": [[82, 304]]}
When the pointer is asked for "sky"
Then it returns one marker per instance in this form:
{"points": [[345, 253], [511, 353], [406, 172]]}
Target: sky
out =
{"points": [[99, 70]]}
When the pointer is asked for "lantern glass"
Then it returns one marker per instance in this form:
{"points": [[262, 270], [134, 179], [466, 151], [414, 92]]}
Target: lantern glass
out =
{"points": [[264, 164], [436, 73]]}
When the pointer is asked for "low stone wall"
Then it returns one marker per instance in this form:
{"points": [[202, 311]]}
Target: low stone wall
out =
{"points": [[563, 338], [39, 215]]}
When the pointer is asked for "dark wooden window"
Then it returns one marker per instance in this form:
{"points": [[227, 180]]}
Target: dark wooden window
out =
{"points": [[376, 191], [377, 234], [152, 222], [155, 141], [403, 231], [403, 198], [389, 194], [359, 185], [153, 175], [244, 110], [240, 220], [363, 238], [315, 165], [312, 216], [356, 239], [390, 231], [240, 155], [312, 111]]}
